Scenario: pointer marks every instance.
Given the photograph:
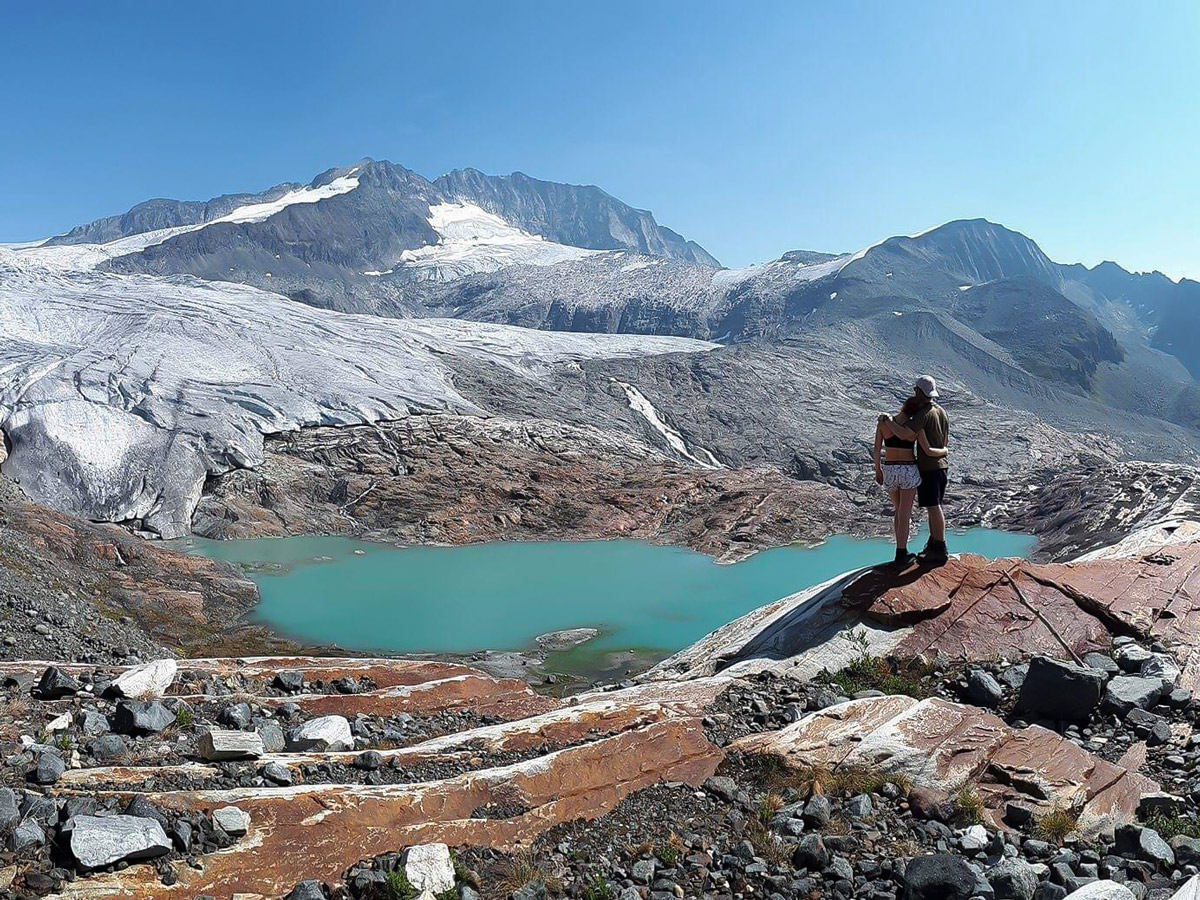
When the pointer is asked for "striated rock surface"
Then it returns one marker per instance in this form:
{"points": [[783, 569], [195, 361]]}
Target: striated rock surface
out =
{"points": [[970, 609], [947, 746], [455, 479]]}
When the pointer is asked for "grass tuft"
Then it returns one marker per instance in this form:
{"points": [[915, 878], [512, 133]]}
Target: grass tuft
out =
{"points": [[396, 886], [1057, 824], [968, 806], [598, 889]]}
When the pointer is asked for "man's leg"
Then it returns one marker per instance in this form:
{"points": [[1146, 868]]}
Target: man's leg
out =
{"points": [[937, 524]]}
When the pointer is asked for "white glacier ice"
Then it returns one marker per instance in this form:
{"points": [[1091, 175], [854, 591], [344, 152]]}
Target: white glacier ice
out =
{"points": [[120, 392]]}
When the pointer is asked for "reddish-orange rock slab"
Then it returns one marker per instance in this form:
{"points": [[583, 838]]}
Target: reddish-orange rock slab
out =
{"points": [[947, 746], [505, 698], [321, 830]]}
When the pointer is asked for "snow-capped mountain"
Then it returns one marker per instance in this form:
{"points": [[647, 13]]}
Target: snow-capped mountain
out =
{"points": [[144, 352]]}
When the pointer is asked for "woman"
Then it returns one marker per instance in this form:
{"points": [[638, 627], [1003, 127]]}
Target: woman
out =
{"points": [[896, 469]]}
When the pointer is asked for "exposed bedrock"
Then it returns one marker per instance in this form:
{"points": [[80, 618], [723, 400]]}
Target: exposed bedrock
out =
{"points": [[456, 479], [72, 589], [970, 610]]}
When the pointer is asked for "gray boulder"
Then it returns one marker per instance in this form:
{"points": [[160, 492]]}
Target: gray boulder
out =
{"points": [[1144, 844], [1128, 692], [108, 748], [92, 723], [810, 853], [1186, 849], [1060, 690], [49, 768], [817, 811], [140, 718], [983, 689], [322, 733], [56, 684], [25, 835], [217, 745], [1102, 890], [231, 820], [1013, 879], [10, 815], [306, 890], [97, 841], [942, 876]]}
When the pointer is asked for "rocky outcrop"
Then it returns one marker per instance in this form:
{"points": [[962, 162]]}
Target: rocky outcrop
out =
{"points": [[949, 747], [970, 610], [74, 589], [454, 479]]}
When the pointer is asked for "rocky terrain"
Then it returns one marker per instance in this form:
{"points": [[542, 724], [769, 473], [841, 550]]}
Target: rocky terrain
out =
{"points": [[1050, 754], [457, 480]]}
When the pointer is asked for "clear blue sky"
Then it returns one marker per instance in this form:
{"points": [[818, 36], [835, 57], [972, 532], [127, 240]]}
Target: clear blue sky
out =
{"points": [[753, 128]]}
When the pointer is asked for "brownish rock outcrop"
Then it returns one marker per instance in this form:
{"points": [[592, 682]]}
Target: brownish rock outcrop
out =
{"points": [[460, 479], [943, 745], [969, 610], [83, 578]]}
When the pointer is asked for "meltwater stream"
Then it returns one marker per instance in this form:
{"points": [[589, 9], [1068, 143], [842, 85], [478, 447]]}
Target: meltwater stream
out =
{"points": [[645, 600]]}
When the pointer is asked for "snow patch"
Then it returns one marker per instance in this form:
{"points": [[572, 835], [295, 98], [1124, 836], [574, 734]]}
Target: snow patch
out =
{"points": [[83, 257], [641, 405], [473, 240]]}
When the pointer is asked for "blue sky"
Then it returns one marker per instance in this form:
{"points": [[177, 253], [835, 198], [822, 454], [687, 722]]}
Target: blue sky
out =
{"points": [[753, 128]]}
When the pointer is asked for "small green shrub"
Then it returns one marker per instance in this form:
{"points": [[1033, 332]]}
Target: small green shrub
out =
{"points": [[598, 889], [397, 886], [1173, 826], [968, 807], [184, 717]]}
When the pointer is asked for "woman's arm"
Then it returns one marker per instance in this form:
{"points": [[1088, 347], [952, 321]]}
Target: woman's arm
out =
{"points": [[933, 452], [901, 431], [875, 455]]}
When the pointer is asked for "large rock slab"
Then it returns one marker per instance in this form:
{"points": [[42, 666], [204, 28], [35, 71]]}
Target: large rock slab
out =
{"points": [[149, 681], [218, 744], [969, 610], [943, 745], [101, 841]]}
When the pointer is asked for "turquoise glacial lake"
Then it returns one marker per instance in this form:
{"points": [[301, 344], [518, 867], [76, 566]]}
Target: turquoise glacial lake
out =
{"points": [[645, 600]]}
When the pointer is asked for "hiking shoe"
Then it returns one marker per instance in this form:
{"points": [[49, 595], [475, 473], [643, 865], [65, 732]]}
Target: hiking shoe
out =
{"points": [[904, 559], [935, 553]]}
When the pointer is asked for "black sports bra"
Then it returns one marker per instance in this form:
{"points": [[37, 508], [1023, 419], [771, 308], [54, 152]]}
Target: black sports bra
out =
{"points": [[898, 443]]}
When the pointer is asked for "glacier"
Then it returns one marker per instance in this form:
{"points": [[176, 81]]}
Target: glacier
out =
{"points": [[121, 393]]}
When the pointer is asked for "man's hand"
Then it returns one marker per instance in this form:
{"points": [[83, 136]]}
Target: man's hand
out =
{"points": [[883, 417]]}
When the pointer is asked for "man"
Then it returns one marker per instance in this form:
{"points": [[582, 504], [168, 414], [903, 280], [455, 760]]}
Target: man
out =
{"points": [[931, 419]]}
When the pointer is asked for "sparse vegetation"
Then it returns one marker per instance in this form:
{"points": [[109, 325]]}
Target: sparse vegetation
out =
{"points": [[867, 672], [518, 870], [770, 804], [184, 717], [1173, 826], [1057, 824], [396, 886], [968, 806], [598, 889]]}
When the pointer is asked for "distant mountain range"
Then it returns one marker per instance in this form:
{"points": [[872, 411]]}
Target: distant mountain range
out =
{"points": [[1078, 363]]}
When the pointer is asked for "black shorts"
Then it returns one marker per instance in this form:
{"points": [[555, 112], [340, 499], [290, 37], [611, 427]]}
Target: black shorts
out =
{"points": [[933, 488]]}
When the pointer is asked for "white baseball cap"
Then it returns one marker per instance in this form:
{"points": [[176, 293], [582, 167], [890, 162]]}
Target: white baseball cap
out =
{"points": [[927, 386]]}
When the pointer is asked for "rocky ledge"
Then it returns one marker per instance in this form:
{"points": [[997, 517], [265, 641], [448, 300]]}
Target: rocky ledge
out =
{"points": [[441, 479], [920, 766]]}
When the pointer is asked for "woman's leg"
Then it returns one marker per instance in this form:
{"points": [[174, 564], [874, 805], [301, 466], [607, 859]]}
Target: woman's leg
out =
{"points": [[904, 505], [895, 495]]}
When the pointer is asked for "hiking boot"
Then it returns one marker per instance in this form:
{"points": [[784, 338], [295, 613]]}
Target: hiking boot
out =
{"points": [[934, 554], [904, 559]]}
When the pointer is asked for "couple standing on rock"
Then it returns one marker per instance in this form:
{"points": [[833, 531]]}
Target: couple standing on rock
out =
{"points": [[913, 464]]}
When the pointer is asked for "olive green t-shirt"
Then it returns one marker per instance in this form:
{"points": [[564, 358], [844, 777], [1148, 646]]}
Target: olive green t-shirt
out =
{"points": [[937, 430]]}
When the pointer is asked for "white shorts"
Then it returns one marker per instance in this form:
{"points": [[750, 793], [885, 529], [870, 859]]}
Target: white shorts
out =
{"points": [[903, 477]]}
